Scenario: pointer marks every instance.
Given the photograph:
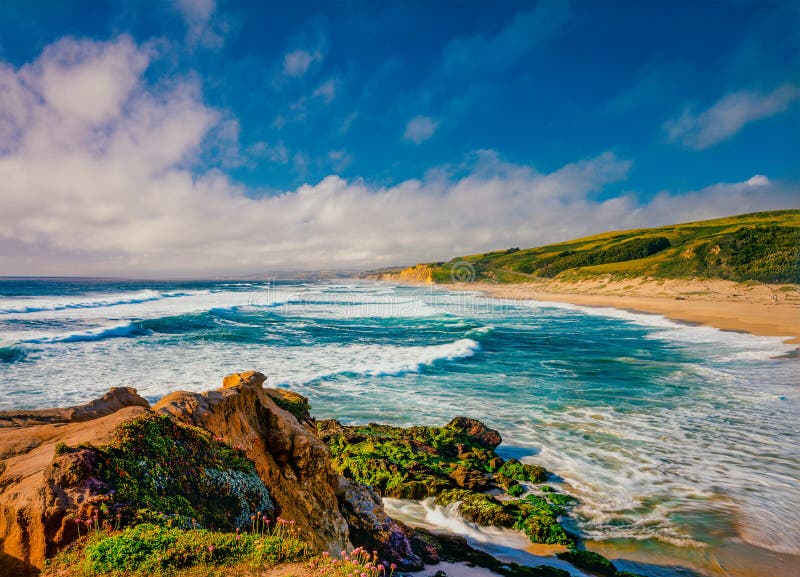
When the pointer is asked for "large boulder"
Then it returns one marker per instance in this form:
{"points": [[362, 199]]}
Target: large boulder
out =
{"points": [[294, 464]]}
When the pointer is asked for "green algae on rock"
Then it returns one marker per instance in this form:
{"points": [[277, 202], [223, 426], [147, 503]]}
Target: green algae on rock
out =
{"points": [[454, 464], [537, 518], [593, 562], [416, 462]]}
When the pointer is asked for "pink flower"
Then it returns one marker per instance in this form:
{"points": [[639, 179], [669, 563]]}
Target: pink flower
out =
{"points": [[210, 548], [381, 568], [392, 566]]}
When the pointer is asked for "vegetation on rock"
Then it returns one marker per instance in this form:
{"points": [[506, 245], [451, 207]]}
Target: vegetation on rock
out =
{"points": [[159, 471]]}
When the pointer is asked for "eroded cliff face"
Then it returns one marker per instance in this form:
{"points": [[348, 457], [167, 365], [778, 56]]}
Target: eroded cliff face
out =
{"points": [[420, 273], [44, 488], [292, 461]]}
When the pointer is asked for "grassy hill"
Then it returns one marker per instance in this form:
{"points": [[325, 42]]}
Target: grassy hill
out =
{"points": [[762, 246]]}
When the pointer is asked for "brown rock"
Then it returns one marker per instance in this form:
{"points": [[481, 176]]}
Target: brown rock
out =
{"points": [[294, 463], [477, 431], [38, 488], [112, 401], [246, 379], [469, 478]]}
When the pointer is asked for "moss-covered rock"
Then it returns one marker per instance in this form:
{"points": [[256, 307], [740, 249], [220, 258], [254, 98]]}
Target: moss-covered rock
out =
{"points": [[454, 464], [533, 515], [592, 562], [415, 462], [516, 490], [513, 469]]}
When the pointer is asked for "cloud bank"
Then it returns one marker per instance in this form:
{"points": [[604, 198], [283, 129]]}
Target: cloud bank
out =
{"points": [[101, 176]]}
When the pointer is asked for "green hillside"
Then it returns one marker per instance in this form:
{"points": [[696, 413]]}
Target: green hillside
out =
{"points": [[763, 246]]}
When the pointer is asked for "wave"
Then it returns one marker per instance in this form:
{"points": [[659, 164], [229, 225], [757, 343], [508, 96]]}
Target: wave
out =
{"points": [[10, 355], [390, 361], [123, 330], [137, 298], [753, 347]]}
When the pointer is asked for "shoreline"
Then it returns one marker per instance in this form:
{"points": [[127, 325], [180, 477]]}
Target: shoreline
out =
{"points": [[760, 310]]}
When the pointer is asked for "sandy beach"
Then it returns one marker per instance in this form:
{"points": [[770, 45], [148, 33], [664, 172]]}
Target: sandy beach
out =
{"points": [[760, 309]]}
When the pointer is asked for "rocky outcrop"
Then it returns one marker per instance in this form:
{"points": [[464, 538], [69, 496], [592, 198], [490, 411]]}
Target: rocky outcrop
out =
{"points": [[293, 462], [114, 400], [373, 529], [38, 487], [51, 469]]}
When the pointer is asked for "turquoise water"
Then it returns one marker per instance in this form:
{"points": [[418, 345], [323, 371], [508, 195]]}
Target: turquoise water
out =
{"points": [[667, 433]]}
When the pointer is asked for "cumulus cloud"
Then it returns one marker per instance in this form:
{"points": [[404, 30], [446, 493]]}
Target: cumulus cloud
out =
{"points": [[420, 128], [108, 184], [728, 116]]}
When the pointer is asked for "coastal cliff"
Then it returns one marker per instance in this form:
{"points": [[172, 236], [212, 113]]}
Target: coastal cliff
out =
{"points": [[244, 478], [60, 468], [417, 274]]}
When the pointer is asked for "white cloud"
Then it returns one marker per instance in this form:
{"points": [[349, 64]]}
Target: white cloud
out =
{"points": [[728, 116], [420, 128], [297, 62], [201, 29], [105, 186]]}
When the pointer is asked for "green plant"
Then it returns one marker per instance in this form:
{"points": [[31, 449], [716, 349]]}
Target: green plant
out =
{"points": [[177, 475], [358, 562], [145, 549]]}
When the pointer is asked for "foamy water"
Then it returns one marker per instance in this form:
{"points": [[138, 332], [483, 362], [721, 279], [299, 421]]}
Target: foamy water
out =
{"points": [[682, 435]]}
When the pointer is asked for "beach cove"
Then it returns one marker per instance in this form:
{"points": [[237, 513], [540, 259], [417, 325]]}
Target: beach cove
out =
{"points": [[657, 428]]}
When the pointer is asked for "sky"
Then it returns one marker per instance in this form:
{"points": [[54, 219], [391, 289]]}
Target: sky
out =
{"points": [[208, 138]]}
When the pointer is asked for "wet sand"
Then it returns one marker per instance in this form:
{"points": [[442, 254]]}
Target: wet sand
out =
{"points": [[756, 308]]}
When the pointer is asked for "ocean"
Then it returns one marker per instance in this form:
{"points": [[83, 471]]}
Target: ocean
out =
{"points": [[682, 443]]}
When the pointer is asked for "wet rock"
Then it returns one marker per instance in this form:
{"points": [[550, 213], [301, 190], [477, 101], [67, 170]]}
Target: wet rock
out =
{"points": [[477, 432], [471, 479], [590, 561]]}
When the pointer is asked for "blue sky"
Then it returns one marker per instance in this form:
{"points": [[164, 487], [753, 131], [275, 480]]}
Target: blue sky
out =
{"points": [[573, 111]]}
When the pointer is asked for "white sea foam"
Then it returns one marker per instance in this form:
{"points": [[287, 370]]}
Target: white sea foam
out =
{"points": [[507, 545], [20, 306]]}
